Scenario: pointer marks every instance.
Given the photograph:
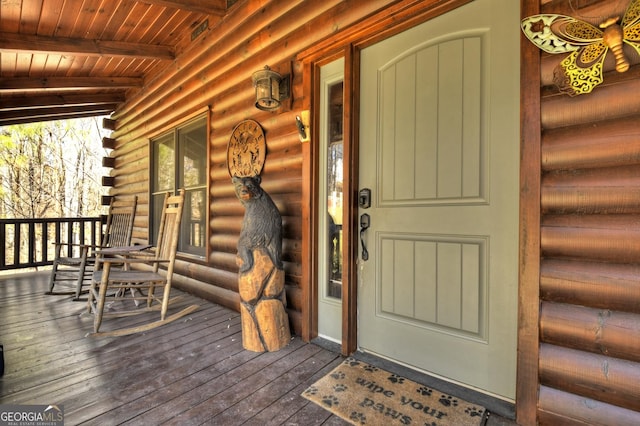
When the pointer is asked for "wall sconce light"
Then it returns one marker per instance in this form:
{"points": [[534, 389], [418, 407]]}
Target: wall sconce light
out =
{"points": [[271, 88]]}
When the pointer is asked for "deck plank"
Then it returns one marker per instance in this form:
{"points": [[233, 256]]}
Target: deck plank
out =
{"points": [[284, 409], [269, 392], [55, 367], [229, 388]]}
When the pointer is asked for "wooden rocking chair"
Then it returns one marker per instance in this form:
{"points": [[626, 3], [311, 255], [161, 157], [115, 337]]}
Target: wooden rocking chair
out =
{"points": [[78, 270], [140, 273]]}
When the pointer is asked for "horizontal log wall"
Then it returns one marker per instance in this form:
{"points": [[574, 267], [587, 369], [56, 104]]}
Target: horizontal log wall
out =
{"points": [[589, 358], [213, 75]]}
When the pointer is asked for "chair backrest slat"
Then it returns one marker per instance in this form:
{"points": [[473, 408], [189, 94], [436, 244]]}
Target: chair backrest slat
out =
{"points": [[168, 234], [119, 229]]}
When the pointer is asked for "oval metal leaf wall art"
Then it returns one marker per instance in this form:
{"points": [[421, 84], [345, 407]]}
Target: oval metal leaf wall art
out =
{"points": [[581, 71], [246, 150]]}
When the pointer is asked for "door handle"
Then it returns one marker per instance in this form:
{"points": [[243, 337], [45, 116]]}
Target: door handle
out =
{"points": [[365, 222]]}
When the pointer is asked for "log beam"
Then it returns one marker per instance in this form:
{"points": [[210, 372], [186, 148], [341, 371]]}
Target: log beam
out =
{"points": [[53, 113], [60, 99], [21, 84], [13, 42], [556, 406], [211, 7], [57, 114], [611, 286], [598, 377], [599, 331]]}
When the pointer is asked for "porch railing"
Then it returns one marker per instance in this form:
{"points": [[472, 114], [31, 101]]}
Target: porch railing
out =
{"points": [[28, 243]]}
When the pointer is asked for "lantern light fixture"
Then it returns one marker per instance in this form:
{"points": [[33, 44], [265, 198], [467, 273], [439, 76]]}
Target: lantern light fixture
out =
{"points": [[271, 89]]}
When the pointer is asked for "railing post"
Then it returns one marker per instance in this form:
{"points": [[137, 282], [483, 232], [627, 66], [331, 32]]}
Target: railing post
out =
{"points": [[58, 231], [3, 252], [45, 241], [32, 242], [16, 243], [69, 239]]}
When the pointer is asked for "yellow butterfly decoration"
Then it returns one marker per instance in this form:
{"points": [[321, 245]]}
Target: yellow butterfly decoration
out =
{"points": [[582, 69]]}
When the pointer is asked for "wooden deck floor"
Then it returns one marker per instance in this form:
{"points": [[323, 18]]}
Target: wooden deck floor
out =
{"points": [[193, 371]]}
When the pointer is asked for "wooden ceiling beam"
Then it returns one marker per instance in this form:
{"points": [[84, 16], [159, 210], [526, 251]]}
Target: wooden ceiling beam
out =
{"points": [[51, 113], [59, 99], [211, 7], [21, 84], [12, 42], [52, 117]]}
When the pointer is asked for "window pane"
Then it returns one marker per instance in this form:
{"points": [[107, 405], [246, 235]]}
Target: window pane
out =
{"points": [[158, 201], [164, 164], [193, 232], [193, 145]]}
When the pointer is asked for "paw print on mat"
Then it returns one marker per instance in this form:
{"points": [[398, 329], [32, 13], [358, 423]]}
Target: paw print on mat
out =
{"points": [[330, 400], [474, 411], [339, 388], [352, 362], [311, 391], [448, 401], [358, 417], [424, 391], [370, 368], [337, 375], [394, 378]]}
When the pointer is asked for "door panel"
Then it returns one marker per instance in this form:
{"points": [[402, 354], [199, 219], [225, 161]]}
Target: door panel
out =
{"points": [[439, 148]]}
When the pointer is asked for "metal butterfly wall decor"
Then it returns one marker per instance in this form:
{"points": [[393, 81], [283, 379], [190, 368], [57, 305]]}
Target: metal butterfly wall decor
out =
{"points": [[581, 71]]}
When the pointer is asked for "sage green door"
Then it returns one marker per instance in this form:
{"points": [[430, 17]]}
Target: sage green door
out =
{"points": [[439, 149]]}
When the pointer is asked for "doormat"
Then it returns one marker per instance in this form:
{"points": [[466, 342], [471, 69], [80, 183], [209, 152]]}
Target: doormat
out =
{"points": [[363, 394]]}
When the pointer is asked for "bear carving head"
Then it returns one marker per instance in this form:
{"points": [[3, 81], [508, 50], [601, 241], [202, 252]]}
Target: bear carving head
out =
{"points": [[247, 188]]}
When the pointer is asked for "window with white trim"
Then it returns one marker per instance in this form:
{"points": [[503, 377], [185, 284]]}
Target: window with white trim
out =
{"points": [[179, 160]]}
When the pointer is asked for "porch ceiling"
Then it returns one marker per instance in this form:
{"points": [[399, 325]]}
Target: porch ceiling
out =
{"points": [[63, 59]]}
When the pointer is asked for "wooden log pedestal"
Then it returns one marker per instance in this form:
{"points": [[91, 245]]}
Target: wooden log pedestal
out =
{"points": [[265, 323]]}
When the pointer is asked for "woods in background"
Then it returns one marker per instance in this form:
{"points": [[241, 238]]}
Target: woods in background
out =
{"points": [[51, 169]]}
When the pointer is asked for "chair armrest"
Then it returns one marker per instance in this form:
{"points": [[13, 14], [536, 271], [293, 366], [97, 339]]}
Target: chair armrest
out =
{"points": [[132, 260], [123, 251], [59, 243]]}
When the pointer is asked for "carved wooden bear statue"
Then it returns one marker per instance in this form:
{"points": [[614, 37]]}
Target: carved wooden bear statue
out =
{"points": [[265, 324], [262, 224]]}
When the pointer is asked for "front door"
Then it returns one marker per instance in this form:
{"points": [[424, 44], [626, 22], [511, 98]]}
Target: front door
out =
{"points": [[439, 150]]}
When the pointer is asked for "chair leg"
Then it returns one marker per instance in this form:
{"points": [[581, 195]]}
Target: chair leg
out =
{"points": [[54, 270], [82, 270], [102, 293], [92, 289], [52, 277], [150, 291], [165, 300]]}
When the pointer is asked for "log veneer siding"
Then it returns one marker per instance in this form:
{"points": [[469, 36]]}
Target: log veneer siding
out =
{"points": [[589, 315], [214, 72]]}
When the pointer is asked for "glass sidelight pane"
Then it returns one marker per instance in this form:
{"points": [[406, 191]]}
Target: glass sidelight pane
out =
{"points": [[334, 188]]}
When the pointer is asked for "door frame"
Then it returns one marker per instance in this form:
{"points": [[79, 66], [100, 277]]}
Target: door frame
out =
{"points": [[350, 157], [348, 44]]}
